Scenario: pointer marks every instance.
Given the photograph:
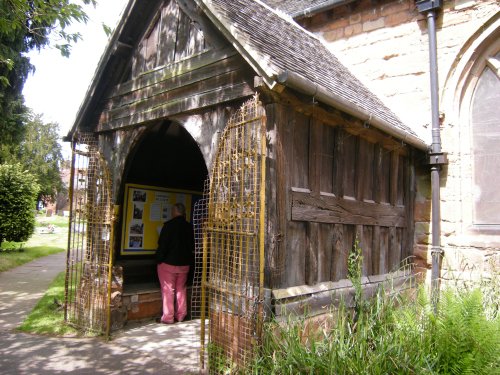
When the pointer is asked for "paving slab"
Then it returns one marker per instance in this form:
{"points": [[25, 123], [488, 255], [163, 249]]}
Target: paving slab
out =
{"points": [[178, 345], [22, 354], [140, 348], [23, 286]]}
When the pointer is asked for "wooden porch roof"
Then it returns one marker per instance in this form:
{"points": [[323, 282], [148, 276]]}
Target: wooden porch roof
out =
{"points": [[278, 50]]}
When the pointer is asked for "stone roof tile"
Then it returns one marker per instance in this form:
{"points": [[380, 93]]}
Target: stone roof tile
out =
{"points": [[294, 6], [278, 44]]}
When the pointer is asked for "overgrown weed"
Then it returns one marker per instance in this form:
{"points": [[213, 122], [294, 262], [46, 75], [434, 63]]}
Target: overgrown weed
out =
{"points": [[394, 334]]}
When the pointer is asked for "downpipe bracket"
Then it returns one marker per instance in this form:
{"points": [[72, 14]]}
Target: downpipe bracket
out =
{"points": [[437, 251], [438, 158], [427, 5]]}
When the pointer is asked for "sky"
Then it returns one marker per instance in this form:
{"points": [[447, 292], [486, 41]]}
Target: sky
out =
{"points": [[59, 84]]}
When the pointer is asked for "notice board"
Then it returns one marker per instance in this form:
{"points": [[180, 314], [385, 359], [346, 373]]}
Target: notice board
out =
{"points": [[146, 208]]}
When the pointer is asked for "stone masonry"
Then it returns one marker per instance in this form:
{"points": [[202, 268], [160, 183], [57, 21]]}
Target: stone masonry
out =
{"points": [[385, 43]]}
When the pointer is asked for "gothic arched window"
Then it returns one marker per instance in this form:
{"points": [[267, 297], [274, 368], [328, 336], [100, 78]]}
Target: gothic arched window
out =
{"points": [[485, 131]]}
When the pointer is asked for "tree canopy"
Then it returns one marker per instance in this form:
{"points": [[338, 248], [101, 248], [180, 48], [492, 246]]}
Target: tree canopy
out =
{"points": [[26, 25], [40, 153]]}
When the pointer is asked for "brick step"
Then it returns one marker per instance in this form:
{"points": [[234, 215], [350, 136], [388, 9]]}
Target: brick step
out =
{"points": [[143, 300]]}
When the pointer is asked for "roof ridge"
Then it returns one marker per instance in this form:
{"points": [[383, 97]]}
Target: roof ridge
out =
{"points": [[287, 17]]}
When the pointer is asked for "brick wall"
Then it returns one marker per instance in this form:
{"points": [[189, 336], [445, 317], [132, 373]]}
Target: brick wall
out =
{"points": [[385, 43], [361, 17]]}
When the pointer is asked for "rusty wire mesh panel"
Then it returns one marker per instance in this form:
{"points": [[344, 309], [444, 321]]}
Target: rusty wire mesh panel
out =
{"points": [[229, 226], [88, 260]]}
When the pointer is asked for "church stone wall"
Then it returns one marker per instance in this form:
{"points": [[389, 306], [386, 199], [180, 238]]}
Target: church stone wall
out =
{"points": [[385, 43]]}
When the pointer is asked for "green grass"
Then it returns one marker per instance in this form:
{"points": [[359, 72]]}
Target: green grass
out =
{"points": [[48, 315], [43, 242]]}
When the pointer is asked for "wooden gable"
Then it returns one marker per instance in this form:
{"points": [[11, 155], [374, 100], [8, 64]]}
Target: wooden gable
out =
{"points": [[180, 63], [172, 36]]}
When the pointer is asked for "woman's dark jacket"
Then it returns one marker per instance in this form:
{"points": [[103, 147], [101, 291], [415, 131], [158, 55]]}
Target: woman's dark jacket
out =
{"points": [[176, 243]]}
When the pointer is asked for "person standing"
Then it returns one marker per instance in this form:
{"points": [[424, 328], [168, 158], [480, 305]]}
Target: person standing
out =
{"points": [[174, 257]]}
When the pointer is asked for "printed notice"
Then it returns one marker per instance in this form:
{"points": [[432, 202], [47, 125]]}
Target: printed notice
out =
{"points": [[155, 212]]}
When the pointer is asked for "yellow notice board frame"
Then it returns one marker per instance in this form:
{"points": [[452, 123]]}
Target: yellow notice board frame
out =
{"points": [[146, 208]]}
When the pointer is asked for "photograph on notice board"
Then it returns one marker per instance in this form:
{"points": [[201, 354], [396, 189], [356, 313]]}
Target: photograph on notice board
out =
{"points": [[138, 211], [135, 242], [139, 196], [137, 228]]}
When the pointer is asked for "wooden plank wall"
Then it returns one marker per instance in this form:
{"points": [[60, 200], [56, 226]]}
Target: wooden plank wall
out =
{"points": [[169, 38], [181, 64], [337, 187], [208, 79]]}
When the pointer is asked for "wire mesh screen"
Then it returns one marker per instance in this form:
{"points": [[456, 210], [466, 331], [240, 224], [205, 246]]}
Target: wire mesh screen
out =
{"points": [[89, 260], [229, 230]]}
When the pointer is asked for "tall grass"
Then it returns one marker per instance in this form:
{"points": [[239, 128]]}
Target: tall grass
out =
{"points": [[393, 335]]}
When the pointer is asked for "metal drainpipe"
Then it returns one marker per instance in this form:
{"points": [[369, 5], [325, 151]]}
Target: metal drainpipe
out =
{"points": [[436, 157]]}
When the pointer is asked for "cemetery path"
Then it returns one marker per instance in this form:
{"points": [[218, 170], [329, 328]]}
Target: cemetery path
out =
{"points": [[146, 348]]}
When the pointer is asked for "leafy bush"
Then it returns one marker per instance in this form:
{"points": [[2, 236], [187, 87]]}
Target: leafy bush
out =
{"points": [[18, 191]]}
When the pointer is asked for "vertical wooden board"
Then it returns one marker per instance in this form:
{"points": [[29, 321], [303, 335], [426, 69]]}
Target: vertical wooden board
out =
{"points": [[197, 42], [288, 164], [183, 37], [394, 177], [337, 239], [168, 33], [376, 251], [402, 191], [272, 240], [151, 44], [325, 252], [364, 234], [410, 205], [283, 209], [300, 158], [383, 266], [378, 172], [350, 161], [395, 248], [312, 242], [296, 254], [338, 163], [138, 64], [385, 177], [327, 147], [340, 254], [315, 135], [368, 167], [400, 233], [295, 232], [361, 169]]}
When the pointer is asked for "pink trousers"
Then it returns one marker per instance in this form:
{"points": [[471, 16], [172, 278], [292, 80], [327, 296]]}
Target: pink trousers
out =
{"points": [[173, 286]]}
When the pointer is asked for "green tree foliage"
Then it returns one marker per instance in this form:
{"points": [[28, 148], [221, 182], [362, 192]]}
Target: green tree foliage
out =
{"points": [[40, 154], [26, 25], [18, 191]]}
